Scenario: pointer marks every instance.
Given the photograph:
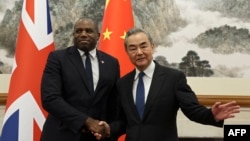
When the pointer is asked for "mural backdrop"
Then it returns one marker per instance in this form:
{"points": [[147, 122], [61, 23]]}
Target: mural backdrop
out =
{"points": [[203, 38]]}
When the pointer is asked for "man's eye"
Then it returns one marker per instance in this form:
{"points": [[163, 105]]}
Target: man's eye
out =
{"points": [[78, 31], [89, 31], [144, 46]]}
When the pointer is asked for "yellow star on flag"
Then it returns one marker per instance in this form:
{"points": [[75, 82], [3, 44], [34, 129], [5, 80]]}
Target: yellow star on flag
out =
{"points": [[106, 34], [117, 18], [123, 36]]}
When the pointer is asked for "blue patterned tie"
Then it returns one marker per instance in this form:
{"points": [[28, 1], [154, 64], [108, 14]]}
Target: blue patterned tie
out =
{"points": [[140, 92], [88, 69]]}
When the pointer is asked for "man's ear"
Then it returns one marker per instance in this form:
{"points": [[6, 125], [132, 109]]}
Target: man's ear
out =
{"points": [[153, 46]]}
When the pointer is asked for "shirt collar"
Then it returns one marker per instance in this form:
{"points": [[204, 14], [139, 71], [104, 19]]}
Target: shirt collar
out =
{"points": [[92, 53], [148, 71]]}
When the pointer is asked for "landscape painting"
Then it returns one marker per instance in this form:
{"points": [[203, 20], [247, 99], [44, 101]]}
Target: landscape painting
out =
{"points": [[202, 38]]}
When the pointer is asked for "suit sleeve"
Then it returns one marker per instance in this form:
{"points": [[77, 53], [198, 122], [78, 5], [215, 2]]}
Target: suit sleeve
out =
{"points": [[52, 99], [113, 98], [118, 126], [190, 105]]}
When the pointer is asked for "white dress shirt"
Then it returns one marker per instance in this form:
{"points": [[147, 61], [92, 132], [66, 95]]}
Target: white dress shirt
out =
{"points": [[94, 64], [147, 79]]}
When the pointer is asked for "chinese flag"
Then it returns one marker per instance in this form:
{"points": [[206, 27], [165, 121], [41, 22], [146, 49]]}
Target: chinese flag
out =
{"points": [[117, 19], [24, 117]]}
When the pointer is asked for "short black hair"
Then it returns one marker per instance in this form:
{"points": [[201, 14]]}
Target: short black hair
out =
{"points": [[91, 19]]}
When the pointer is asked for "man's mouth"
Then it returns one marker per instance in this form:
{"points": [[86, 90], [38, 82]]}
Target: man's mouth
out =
{"points": [[83, 41], [139, 59]]}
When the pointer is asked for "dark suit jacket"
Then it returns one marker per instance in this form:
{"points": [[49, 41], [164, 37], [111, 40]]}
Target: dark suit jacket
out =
{"points": [[169, 91], [66, 97]]}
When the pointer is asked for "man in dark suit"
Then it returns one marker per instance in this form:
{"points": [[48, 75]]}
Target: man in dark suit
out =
{"points": [[76, 101], [162, 91]]}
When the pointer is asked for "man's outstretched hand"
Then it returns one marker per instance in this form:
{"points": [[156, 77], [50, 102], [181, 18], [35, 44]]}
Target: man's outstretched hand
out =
{"points": [[225, 111]]}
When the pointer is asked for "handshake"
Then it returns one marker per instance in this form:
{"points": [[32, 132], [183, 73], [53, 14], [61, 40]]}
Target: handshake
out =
{"points": [[100, 129]]}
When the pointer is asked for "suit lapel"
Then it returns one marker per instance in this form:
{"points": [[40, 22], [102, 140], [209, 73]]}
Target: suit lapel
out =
{"points": [[101, 62], [76, 59], [131, 100], [155, 87], [129, 96]]}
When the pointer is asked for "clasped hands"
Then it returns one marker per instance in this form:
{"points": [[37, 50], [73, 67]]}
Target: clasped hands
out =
{"points": [[100, 129]]}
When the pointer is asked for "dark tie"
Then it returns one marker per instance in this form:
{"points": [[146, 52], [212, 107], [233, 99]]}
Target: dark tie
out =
{"points": [[140, 102], [88, 69]]}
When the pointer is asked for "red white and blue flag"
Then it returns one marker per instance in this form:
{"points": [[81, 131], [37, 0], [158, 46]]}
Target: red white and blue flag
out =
{"points": [[24, 116]]}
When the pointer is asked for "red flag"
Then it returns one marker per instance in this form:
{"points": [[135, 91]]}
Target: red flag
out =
{"points": [[117, 19], [24, 117]]}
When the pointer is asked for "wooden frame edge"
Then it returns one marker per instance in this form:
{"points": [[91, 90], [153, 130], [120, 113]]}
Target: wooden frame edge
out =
{"points": [[3, 98], [207, 100]]}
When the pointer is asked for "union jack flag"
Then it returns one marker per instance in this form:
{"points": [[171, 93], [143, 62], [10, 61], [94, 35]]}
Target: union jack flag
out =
{"points": [[24, 116]]}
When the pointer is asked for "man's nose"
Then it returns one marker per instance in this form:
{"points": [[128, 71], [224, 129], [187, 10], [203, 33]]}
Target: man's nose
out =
{"points": [[139, 50], [83, 33]]}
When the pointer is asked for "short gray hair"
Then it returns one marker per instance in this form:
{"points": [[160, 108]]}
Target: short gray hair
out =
{"points": [[136, 30]]}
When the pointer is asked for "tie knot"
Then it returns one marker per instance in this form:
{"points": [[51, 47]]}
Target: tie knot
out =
{"points": [[86, 53], [141, 74]]}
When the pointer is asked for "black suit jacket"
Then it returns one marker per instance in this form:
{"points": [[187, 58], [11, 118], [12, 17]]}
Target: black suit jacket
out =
{"points": [[168, 92], [67, 99]]}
